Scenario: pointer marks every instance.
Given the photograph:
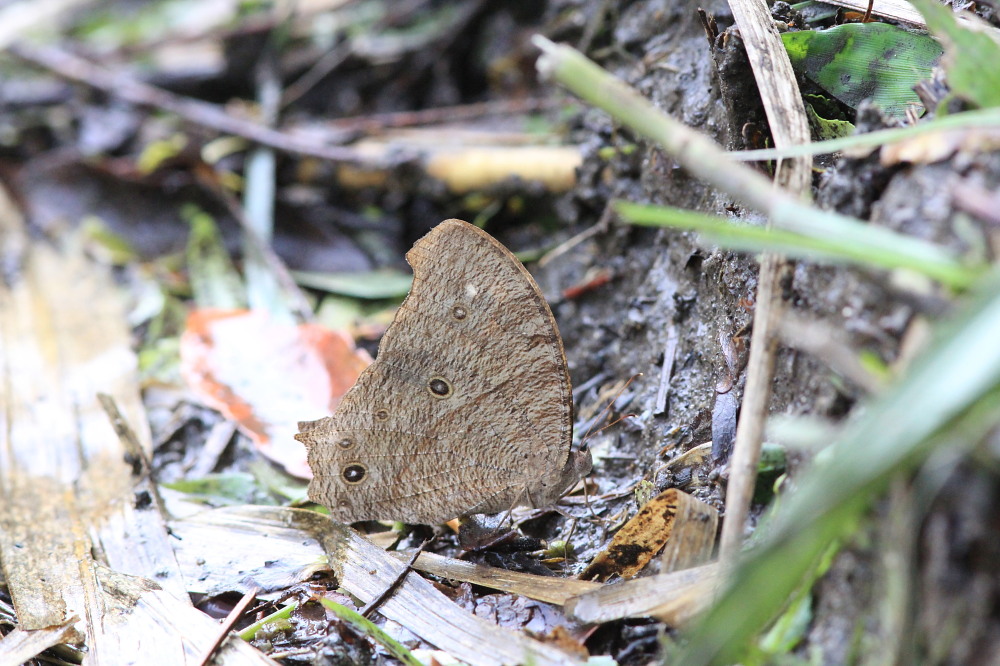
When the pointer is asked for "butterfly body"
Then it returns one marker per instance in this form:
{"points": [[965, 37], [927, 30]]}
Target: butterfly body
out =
{"points": [[468, 405]]}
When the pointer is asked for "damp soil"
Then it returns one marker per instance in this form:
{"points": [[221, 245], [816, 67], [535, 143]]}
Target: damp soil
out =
{"points": [[671, 293], [671, 300], [674, 301]]}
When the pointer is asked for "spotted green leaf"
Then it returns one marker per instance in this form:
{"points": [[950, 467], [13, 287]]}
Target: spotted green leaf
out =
{"points": [[858, 61]]}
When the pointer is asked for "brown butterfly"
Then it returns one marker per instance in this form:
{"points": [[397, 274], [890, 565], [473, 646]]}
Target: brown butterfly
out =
{"points": [[468, 406]]}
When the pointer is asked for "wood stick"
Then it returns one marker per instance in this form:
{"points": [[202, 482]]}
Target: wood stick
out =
{"points": [[73, 68]]}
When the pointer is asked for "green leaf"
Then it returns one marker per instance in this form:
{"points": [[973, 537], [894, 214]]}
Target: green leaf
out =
{"points": [[222, 489], [102, 241], [215, 281], [791, 627], [277, 482], [159, 360], [823, 121], [857, 61], [339, 313], [380, 284], [970, 57], [773, 458]]}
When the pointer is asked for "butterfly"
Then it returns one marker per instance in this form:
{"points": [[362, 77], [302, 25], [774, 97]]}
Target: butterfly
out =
{"points": [[468, 407]]}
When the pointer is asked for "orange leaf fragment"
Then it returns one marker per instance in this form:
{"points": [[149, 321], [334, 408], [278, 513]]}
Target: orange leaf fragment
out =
{"points": [[671, 515], [268, 375]]}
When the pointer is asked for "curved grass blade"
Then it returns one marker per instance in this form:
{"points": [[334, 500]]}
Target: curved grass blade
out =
{"points": [[704, 158], [827, 241], [950, 398], [966, 120]]}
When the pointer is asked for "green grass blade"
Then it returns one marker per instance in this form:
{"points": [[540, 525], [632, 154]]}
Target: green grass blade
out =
{"points": [[971, 57], [950, 397], [368, 628], [283, 613], [807, 234], [900, 249], [374, 285], [359, 622], [826, 243], [703, 158], [215, 282], [965, 120]]}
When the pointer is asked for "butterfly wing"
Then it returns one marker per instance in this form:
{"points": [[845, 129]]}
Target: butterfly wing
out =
{"points": [[468, 405]]}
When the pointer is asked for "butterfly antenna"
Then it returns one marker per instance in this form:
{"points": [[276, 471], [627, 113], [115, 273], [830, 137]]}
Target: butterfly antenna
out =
{"points": [[586, 500], [607, 408], [616, 421], [572, 528], [591, 432]]}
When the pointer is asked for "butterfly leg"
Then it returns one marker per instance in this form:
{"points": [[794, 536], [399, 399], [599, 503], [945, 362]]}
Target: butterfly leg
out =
{"points": [[474, 535], [509, 516], [586, 501]]}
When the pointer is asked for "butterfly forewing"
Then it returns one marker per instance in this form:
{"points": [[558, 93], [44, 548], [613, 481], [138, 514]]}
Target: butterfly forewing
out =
{"points": [[468, 403]]}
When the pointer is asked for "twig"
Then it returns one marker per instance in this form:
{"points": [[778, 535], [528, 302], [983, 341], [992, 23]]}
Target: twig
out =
{"points": [[589, 384], [341, 52], [593, 26], [753, 413], [372, 605], [216, 444], [669, 351], [896, 10], [124, 431], [827, 345], [227, 625], [326, 64], [598, 227], [376, 122], [134, 449], [300, 304], [978, 201], [263, 284], [73, 68]]}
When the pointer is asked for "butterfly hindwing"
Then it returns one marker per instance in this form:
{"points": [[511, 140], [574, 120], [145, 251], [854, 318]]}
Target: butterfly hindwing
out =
{"points": [[467, 407]]}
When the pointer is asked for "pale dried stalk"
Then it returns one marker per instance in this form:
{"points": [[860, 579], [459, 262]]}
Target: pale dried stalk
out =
{"points": [[68, 498], [789, 126]]}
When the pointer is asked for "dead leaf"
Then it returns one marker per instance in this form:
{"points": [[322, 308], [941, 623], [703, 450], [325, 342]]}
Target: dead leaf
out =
{"points": [[937, 146], [646, 533], [267, 375]]}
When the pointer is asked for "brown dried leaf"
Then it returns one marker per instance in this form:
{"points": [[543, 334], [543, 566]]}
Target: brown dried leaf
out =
{"points": [[647, 532], [937, 146]]}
